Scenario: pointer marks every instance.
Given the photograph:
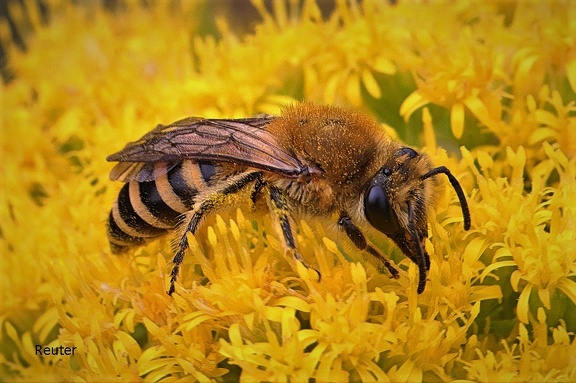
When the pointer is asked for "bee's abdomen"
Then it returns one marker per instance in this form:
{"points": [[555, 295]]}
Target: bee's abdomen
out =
{"points": [[144, 210]]}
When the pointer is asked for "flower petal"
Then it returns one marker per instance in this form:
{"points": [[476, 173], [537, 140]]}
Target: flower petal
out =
{"points": [[480, 111], [568, 287], [371, 84], [457, 119], [383, 65], [522, 308], [411, 104]]}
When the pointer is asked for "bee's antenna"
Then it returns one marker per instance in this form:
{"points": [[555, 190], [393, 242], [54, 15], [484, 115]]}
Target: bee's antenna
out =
{"points": [[457, 188]]}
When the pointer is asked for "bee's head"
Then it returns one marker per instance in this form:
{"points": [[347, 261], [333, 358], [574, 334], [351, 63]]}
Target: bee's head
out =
{"points": [[395, 204]]}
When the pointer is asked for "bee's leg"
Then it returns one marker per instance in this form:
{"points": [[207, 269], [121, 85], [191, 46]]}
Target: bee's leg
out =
{"points": [[258, 186], [279, 205], [215, 199], [423, 259], [359, 240]]}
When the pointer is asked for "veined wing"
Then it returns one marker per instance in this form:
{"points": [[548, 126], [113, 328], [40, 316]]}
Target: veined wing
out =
{"points": [[242, 141]]}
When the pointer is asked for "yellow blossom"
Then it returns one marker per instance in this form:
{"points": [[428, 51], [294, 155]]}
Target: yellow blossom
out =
{"points": [[537, 236]]}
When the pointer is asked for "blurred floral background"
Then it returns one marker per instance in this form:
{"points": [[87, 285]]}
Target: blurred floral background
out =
{"points": [[485, 88]]}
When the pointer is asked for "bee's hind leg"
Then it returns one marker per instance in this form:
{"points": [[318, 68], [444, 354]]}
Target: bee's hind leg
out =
{"points": [[279, 205], [214, 200]]}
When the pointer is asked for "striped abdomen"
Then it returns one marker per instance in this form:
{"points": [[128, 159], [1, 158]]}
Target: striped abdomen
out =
{"points": [[144, 210]]}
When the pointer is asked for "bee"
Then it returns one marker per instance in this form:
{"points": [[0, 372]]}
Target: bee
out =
{"points": [[312, 159]]}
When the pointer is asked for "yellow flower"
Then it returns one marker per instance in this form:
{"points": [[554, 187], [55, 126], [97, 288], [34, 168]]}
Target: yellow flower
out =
{"points": [[549, 49], [555, 121], [536, 232], [457, 74], [542, 357]]}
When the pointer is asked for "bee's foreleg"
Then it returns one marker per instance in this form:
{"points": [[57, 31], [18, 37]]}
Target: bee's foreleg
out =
{"points": [[205, 205], [359, 240], [421, 257], [279, 205]]}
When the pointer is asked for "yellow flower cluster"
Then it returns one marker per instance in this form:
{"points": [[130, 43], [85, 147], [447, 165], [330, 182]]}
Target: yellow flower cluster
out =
{"points": [[497, 79]]}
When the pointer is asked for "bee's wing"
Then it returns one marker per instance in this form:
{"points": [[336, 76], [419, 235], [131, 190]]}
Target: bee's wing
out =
{"points": [[242, 141]]}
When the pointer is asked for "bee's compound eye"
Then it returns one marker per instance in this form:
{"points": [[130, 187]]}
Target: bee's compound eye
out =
{"points": [[378, 211], [409, 152]]}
